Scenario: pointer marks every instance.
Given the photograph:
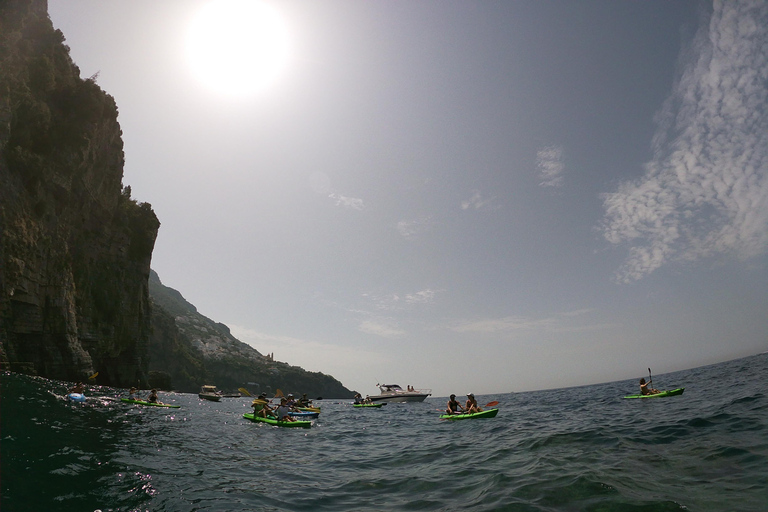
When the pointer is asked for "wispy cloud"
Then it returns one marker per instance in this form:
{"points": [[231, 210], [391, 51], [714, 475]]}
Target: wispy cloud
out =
{"points": [[479, 202], [415, 227], [706, 190], [422, 297], [510, 325], [549, 166], [382, 328], [347, 202], [321, 184]]}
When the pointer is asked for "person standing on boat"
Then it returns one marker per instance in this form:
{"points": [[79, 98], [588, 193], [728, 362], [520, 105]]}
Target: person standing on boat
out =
{"points": [[645, 389], [471, 406], [454, 406]]}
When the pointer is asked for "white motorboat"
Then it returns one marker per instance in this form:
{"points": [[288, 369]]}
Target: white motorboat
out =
{"points": [[209, 393], [395, 394]]}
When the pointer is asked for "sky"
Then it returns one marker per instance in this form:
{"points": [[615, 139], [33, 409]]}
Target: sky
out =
{"points": [[486, 197]]}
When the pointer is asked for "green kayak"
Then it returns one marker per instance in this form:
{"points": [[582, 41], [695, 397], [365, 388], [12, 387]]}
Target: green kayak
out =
{"points": [[673, 392], [488, 413], [272, 421], [368, 405], [153, 404]]}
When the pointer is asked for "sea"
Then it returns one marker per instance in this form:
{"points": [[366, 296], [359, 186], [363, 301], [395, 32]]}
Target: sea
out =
{"points": [[574, 449]]}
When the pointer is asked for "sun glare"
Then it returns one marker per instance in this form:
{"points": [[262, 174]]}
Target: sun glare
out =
{"points": [[237, 47]]}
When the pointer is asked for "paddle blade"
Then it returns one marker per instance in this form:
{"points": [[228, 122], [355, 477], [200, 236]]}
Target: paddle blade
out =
{"points": [[244, 391], [279, 393], [94, 375], [491, 404]]}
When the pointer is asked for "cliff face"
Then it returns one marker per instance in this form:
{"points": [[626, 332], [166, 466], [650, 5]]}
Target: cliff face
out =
{"points": [[189, 350], [75, 249]]}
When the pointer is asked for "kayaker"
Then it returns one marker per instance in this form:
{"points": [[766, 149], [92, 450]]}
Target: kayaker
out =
{"points": [[454, 406], [304, 401], [261, 407], [471, 406], [77, 388], [152, 398], [281, 413], [132, 394], [358, 399], [645, 389]]}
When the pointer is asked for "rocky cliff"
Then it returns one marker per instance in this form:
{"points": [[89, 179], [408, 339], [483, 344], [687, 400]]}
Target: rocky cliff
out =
{"points": [[188, 350], [75, 248]]}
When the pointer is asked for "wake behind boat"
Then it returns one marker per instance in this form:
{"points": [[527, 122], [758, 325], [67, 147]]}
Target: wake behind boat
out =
{"points": [[395, 394]]}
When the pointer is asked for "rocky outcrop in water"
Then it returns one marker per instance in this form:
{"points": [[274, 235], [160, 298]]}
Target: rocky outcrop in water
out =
{"points": [[75, 248]]}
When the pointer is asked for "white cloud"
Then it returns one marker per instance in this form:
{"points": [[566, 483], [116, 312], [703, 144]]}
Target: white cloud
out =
{"points": [[477, 202], [423, 297], [549, 164], [706, 190], [320, 183], [413, 228], [347, 202], [383, 328], [566, 322]]}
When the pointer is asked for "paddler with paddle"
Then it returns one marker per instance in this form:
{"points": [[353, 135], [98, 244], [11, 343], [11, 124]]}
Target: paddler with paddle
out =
{"points": [[261, 406], [471, 407], [454, 407], [645, 388]]}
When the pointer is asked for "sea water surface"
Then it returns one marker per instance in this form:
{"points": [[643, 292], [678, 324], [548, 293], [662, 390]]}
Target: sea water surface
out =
{"points": [[575, 449]]}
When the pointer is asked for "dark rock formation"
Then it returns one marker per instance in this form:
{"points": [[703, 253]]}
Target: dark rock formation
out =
{"points": [[75, 248], [195, 350]]}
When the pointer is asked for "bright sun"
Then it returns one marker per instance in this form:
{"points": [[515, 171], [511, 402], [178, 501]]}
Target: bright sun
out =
{"points": [[237, 47]]}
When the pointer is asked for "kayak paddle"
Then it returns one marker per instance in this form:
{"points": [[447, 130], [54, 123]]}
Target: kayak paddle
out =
{"points": [[491, 404], [93, 376], [650, 379], [244, 391]]}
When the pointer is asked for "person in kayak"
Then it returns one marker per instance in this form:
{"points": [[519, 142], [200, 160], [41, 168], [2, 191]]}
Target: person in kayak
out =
{"points": [[645, 388], [133, 394], [261, 408], [77, 388], [454, 407], [471, 407], [152, 398], [281, 413], [304, 401]]}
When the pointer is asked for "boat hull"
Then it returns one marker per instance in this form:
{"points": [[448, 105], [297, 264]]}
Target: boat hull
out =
{"points": [[206, 396], [488, 413], [276, 423], [672, 392], [370, 405], [400, 398]]}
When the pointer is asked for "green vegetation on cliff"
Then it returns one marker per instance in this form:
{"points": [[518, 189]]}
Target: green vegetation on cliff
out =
{"points": [[191, 350]]}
